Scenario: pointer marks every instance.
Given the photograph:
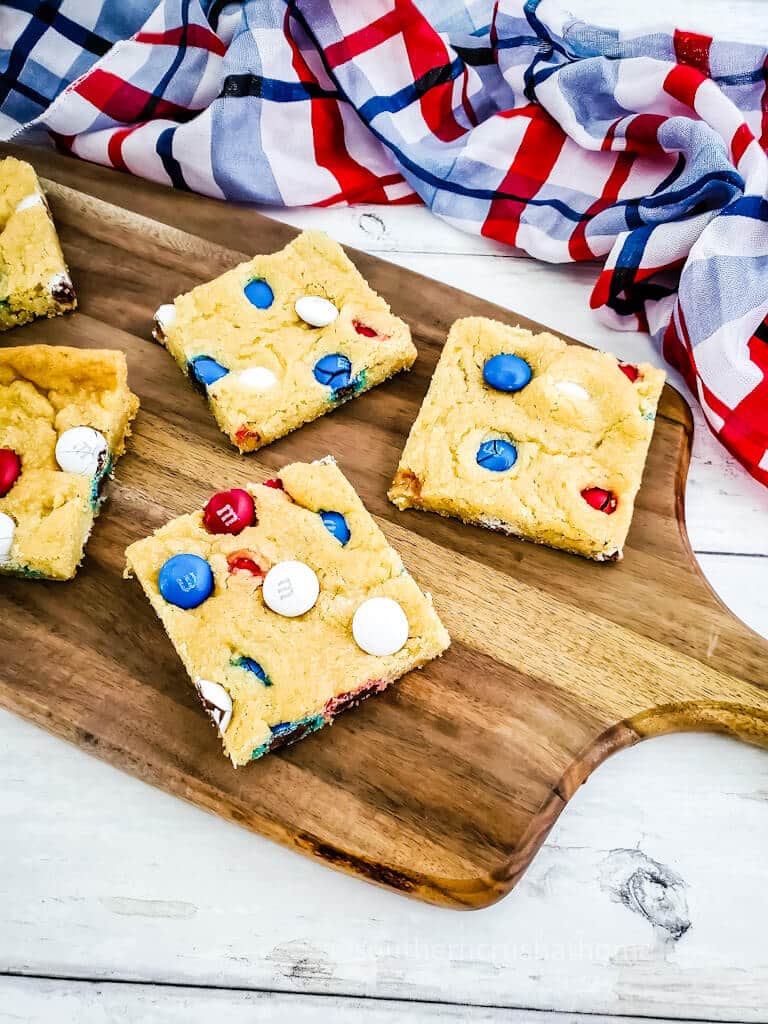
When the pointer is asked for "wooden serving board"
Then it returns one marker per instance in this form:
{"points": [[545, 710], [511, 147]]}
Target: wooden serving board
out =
{"points": [[444, 787]]}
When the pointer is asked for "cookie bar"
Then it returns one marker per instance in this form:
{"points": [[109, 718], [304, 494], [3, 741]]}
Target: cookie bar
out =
{"points": [[286, 604], [64, 416], [34, 280], [282, 339], [528, 435]]}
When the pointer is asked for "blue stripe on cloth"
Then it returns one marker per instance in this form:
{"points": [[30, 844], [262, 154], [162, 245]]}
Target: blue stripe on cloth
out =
{"points": [[237, 86], [159, 91], [65, 26], [24, 45], [747, 206], [164, 149], [411, 92]]}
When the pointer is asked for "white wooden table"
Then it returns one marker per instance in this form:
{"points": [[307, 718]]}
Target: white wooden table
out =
{"points": [[118, 902]]}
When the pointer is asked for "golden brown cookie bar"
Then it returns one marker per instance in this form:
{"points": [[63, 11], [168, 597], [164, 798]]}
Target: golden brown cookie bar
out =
{"points": [[64, 416], [528, 435], [282, 339], [286, 604], [34, 280]]}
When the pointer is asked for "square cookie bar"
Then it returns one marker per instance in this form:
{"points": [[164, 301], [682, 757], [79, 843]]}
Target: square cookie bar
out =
{"points": [[282, 339], [64, 416], [34, 280], [286, 604], [522, 433]]}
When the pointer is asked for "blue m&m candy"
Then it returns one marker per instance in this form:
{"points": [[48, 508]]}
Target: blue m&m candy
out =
{"points": [[185, 580], [335, 371], [496, 455], [253, 666], [259, 294], [336, 524], [207, 371], [506, 372]]}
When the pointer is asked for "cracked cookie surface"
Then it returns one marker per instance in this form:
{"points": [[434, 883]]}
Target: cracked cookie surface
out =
{"points": [[34, 280], [268, 677], [44, 392], [264, 368], [556, 459]]}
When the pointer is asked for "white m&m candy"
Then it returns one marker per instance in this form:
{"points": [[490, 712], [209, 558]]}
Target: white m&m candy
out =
{"points": [[315, 310], [216, 702], [258, 377], [572, 390], [290, 588], [82, 450], [7, 530], [165, 316], [33, 199], [380, 626]]}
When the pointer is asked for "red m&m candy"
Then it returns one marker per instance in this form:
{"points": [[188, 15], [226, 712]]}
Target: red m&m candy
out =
{"points": [[275, 483], [364, 329], [229, 512], [10, 467], [629, 371], [241, 561], [600, 499]]}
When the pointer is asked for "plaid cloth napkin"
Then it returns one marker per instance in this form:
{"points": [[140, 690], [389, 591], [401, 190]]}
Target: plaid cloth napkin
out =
{"points": [[645, 150]]}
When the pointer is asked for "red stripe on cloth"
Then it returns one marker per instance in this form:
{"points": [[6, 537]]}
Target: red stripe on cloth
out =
{"points": [[602, 290], [676, 351], [692, 49], [191, 35], [683, 83], [63, 143], [607, 142], [539, 149], [529, 110], [427, 51], [741, 139], [746, 429], [764, 108], [578, 246], [115, 147], [366, 38], [641, 133], [356, 183], [122, 101]]}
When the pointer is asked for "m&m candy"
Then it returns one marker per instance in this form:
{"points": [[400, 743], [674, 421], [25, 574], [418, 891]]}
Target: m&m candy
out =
{"points": [[7, 530], [316, 310], [506, 372], [364, 329], [259, 294], [336, 524], [207, 371], [600, 499], [290, 588], [82, 450], [185, 580], [496, 455], [260, 378], [10, 467], [629, 371], [335, 371], [380, 627], [250, 665], [229, 512], [216, 702]]}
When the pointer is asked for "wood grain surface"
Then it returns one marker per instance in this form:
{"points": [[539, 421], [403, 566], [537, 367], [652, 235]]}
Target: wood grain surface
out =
{"points": [[444, 787]]}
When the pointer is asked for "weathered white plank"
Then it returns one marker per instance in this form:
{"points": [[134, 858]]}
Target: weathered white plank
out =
{"points": [[104, 877], [82, 1002]]}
